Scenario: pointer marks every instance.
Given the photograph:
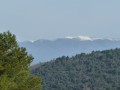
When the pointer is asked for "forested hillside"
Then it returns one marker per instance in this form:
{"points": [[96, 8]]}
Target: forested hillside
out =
{"points": [[99, 70]]}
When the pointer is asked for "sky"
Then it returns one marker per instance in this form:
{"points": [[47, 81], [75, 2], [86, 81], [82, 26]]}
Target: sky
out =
{"points": [[50, 19]]}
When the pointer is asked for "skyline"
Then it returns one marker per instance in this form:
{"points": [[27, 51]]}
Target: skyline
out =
{"points": [[44, 19]]}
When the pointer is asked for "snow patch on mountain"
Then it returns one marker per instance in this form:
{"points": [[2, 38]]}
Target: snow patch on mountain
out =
{"points": [[87, 38], [32, 41], [82, 38]]}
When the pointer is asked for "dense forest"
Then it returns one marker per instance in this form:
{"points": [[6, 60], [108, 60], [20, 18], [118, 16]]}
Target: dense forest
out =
{"points": [[98, 70]]}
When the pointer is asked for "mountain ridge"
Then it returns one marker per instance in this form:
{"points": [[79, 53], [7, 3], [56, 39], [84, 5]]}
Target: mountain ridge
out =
{"points": [[81, 38], [45, 50]]}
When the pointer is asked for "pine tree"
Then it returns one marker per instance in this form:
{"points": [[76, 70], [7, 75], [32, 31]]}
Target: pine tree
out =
{"points": [[14, 66]]}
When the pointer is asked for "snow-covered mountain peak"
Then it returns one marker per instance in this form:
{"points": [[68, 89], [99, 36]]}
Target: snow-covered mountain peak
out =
{"points": [[87, 38], [82, 38]]}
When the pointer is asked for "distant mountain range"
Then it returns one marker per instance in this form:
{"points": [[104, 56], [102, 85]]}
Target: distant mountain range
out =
{"points": [[45, 50]]}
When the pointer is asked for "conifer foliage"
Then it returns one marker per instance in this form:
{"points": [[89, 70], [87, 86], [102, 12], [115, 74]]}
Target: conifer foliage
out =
{"points": [[14, 66], [98, 70]]}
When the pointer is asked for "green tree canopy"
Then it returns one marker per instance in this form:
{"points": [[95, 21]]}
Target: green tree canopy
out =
{"points": [[98, 70], [14, 66]]}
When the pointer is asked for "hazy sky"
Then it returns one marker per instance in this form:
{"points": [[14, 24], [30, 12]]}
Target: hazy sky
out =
{"points": [[50, 19]]}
